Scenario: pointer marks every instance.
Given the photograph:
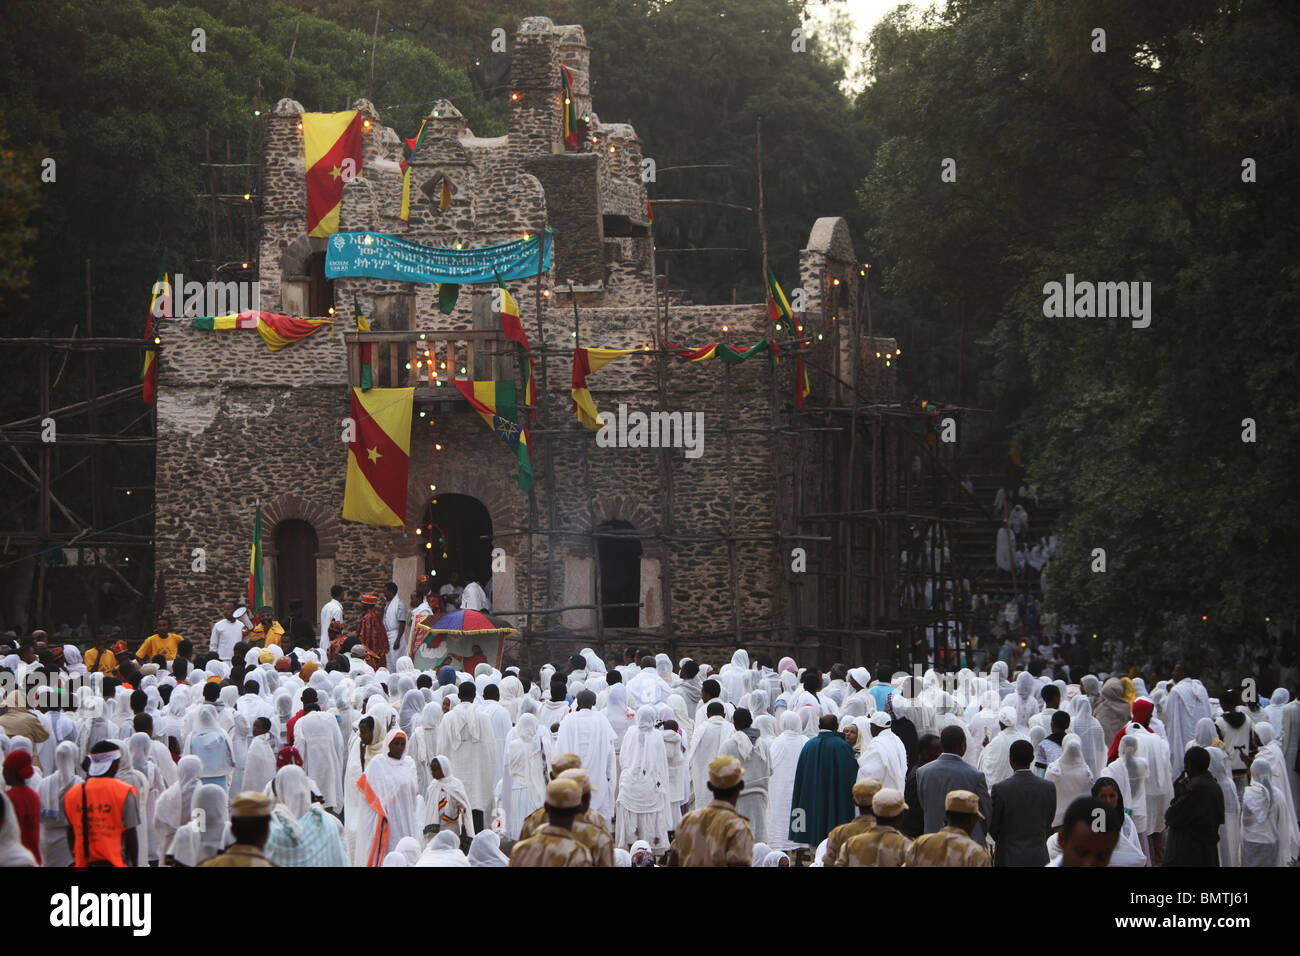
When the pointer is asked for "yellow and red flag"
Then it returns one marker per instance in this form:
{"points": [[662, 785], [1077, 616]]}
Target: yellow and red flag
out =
{"points": [[379, 456], [512, 326], [586, 361], [497, 405], [412, 145], [329, 140]]}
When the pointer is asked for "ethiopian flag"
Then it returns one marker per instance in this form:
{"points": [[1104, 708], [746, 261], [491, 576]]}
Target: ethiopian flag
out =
{"points": [[512, 327], [328, 141], [412, 145], [255, 597], [570, 110], [159, 306], [497, 404], [776, 300], [586, 361], [379, 456], [694, 355], [276, 330]]}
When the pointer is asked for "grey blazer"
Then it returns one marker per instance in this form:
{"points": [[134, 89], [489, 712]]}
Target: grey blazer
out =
{"points": [[936, 779], [1023, 807]]}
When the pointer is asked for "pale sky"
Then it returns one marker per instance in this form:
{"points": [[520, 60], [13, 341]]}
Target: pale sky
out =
{"points": [[866, 14]]}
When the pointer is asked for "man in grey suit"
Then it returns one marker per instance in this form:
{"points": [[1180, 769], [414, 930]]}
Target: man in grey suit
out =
{"points": [[949, 772], [1023, 808]]}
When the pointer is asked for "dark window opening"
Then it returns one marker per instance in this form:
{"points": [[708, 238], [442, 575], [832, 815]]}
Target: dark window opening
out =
{"points": [[295, 566], [622, 227], [620, 575], [456, 535], [320, 292]]}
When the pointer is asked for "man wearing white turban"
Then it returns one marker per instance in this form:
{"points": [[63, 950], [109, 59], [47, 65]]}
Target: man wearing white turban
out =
{"points": [[883, 757]]}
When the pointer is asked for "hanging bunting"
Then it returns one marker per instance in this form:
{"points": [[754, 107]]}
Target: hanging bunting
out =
{"points": [[367, 348], [586, 361], [512, 327], [412, 145], [570, 108], [276, 330], [497, 405], [159, 307]]}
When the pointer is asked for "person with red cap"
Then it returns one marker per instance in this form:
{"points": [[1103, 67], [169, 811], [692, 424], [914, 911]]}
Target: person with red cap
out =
{"points": [[26, 804]]}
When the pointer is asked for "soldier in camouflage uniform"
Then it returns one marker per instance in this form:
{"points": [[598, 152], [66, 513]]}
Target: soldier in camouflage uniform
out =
{"points": [[554, 844], [589, 827], [537, 819], [952, 845], [716, 835], [883, 844], [863, 791]]}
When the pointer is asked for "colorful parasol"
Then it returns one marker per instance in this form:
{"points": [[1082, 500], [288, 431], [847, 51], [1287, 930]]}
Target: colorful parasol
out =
{"points": [[462, 623]]}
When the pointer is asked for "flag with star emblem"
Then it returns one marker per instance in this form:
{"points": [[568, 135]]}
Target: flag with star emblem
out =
{"points": [[329, 140], [379, 456], [498, 405]]}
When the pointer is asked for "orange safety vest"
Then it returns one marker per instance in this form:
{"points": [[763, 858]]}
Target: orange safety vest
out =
{"points": [[102, 815]]}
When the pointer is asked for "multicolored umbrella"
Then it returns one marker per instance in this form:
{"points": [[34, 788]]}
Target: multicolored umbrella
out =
{"points": [[463, 623]]}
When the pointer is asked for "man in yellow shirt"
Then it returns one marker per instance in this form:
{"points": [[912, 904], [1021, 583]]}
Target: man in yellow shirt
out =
{"points": [[99, 658], [267, 627], [163, 642]]}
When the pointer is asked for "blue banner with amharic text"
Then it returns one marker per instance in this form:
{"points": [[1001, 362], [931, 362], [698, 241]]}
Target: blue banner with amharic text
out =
{"points": [[376, 255]]}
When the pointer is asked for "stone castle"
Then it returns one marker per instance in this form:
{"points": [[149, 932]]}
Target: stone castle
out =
{"points": [[698, 551]]}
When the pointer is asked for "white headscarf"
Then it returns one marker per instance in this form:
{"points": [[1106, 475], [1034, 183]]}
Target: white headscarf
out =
{"points": [[444, 850], [485, 850], [292, 788]]}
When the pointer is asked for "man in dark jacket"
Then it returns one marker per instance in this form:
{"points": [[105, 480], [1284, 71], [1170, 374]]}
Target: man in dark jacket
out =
{"points": [[913, 824], [940, 777], [1195, 815], [1023, 808]]}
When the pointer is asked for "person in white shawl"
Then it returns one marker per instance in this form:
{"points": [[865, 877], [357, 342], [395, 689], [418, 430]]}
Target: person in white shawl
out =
{"points": [[784, 756], [732, 676], [443, 850], [127, 773], [388, 807], [174, 805], [675, 754], [995, 758], [617, 713], [1070, 775], [643, 787], [302, 832], [1270, 834], [52, 789], [1024, 700], [207, 832], [512, 694], [259, 761], [1206, 736], [423, 743], [647, 686], [466, 737], [587, 733], [747, 746], [1130, 770], [12, 851], [446, 804], [706, 743], [1185, 705], [884, 756], [1271, 750], [485, 850], [1088, 729], [141, 749], [212, 746], [528, 775]]}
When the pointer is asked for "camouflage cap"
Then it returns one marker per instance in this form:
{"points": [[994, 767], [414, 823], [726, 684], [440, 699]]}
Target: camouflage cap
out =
{"points": [[581, 776], [725, 772], [563, 794], [563, 762], [864, 790], [888, 803], [963, 801], [250, 803]]}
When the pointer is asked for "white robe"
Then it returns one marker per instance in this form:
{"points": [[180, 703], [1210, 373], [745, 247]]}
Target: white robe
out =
{"points": [[647, 687], [501, 726], [588, 734], [885, 758], [259, 763], [320, 742], [1186, 704], [467, 740], [995, 759], [705, 745], [784, 759], [393, 782]]}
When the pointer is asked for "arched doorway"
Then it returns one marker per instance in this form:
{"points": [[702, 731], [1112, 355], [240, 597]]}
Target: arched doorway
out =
{"points": [[457, 533], [295, 565], [620, 575]]}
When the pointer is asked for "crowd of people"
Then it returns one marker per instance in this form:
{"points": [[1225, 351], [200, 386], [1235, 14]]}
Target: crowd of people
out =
{"points": [[291, 745]]}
